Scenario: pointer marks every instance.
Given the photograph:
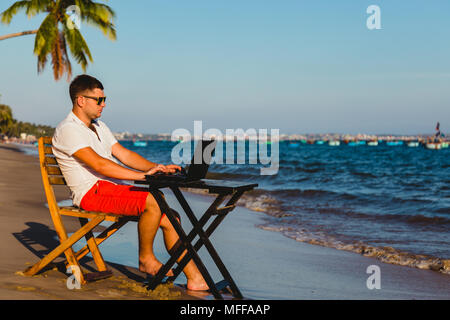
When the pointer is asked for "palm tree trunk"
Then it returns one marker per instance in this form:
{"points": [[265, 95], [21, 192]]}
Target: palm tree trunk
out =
{"points": [[18, 34]]}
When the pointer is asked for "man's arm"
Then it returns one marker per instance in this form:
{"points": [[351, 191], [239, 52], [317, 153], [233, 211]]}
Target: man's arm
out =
{"points": [[131, 158], [136, 161], [109, 168]]}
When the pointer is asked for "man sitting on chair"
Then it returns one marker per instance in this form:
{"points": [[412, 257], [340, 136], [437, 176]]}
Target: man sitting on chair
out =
{"points": [[85, 149]]}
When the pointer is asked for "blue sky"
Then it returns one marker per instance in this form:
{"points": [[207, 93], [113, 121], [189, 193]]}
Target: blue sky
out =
{"points": [[298, 66]]}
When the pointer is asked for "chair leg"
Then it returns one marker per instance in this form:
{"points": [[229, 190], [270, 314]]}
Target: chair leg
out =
{"points": [[93, 248], [66, 247], [102, 237]]}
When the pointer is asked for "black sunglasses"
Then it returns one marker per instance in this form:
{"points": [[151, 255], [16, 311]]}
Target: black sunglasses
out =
{"points": [[98, 99]]}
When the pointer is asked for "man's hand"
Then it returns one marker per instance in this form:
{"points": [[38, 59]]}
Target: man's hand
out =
{"points": [[171, 168]]}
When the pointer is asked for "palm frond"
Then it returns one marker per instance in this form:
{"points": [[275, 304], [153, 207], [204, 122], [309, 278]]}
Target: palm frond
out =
{"points": [[7, 15], [45, 39], [31, 7], [38, 6], [99, 15], [106, 27], [78, 46], [65, 57]]}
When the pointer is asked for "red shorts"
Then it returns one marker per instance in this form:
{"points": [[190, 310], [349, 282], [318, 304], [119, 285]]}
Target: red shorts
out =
{"points": [[108, 197]]}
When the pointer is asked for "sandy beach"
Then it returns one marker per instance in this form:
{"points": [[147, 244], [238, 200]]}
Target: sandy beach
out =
{"points": [[264, 264], [28, 234]]}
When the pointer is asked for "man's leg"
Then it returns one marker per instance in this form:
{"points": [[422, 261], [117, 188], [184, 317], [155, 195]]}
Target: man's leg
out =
{"points": [[105, 196], [147, 228], [195, 279]]}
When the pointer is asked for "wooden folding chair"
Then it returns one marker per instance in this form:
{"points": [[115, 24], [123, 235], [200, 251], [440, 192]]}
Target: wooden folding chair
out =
{"points": [[52, 175]]}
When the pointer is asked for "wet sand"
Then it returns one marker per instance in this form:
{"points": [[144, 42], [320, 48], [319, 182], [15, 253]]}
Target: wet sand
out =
{"points": [[264, 264], [268, 265]]}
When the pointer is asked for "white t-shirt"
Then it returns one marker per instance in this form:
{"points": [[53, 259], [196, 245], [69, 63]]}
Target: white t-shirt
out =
{"points": [[71, 135]]}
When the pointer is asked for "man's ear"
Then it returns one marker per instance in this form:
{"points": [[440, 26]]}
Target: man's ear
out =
{"points": [[79, 101]]}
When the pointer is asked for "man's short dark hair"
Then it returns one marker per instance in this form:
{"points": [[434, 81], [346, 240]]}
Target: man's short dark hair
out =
{"points": [[81, 83]]}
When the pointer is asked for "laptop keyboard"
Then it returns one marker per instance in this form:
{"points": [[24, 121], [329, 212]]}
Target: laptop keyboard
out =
{"points": [[181, 173]]}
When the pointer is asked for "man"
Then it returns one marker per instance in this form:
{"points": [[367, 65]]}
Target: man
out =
{"points": [[86, 151], [437, 136]]}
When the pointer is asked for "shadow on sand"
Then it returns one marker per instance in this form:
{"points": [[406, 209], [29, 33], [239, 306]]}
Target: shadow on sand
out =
{"points": [[41, 240]]}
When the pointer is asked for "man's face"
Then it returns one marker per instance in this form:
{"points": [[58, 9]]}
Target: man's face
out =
{"points": [[89, 105]]}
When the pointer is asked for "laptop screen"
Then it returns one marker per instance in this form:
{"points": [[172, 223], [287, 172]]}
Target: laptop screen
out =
{"points": [[201, 158]]}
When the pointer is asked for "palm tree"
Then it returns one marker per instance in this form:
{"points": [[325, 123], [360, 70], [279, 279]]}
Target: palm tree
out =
{"points": [[57, 31], [6, 119]]}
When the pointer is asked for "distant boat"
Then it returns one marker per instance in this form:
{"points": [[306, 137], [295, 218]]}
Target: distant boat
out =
{"points": [[320, 142], [413, 144], [356, 143], [433, 145], [372, 143], [138, 143], [436, 143], [334, 143], [394, 143]]}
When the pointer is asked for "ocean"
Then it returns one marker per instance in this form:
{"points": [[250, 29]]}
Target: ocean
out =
{"points": [[388, 202]]}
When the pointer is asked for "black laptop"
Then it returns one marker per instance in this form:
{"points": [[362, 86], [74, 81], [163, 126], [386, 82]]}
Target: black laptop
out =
{"points": [[196, 170]]}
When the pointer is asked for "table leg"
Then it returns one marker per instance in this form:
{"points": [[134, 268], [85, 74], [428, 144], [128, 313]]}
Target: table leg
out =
{"points": [[204, 236], [184, 243], [203, 220]]}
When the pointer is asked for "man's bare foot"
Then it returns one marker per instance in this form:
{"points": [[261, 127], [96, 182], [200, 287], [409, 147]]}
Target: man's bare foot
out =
{"points": [[197, 285], [151, 266]]}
